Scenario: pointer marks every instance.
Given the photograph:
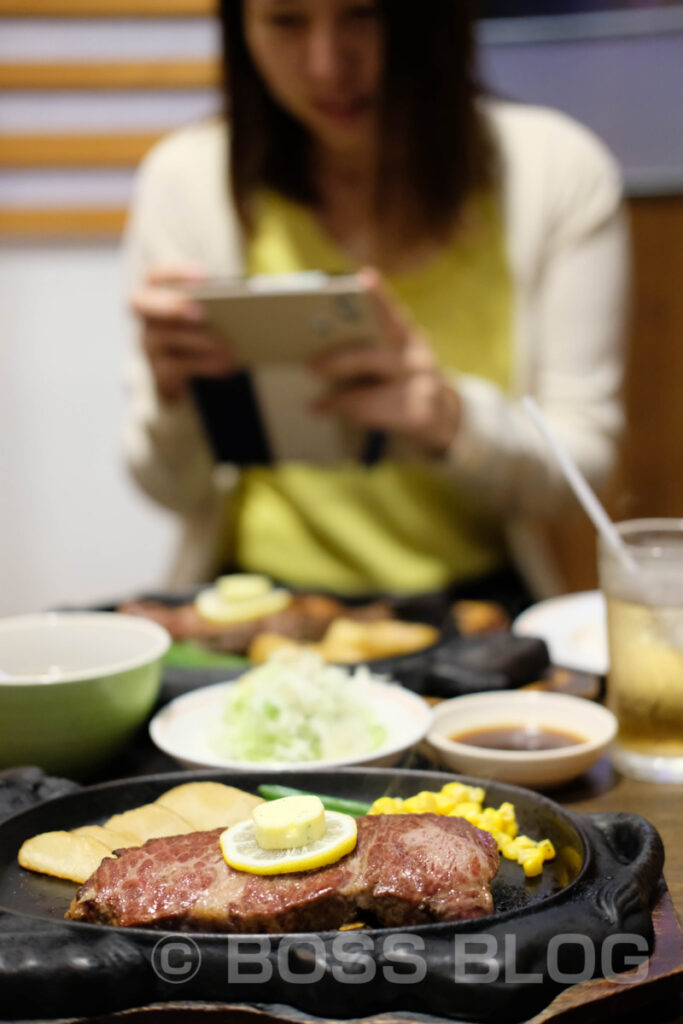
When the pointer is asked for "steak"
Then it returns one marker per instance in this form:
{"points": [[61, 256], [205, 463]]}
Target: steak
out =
{"points": [[306, 619], [406, 869]]}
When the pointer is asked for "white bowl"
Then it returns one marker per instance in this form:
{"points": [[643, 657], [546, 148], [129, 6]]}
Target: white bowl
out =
{"points": [[540, 769], [181, 729]]}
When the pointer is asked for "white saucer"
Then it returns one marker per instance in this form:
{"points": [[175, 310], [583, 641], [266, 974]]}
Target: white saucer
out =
{"points": [[182, 728], [574, 627]]}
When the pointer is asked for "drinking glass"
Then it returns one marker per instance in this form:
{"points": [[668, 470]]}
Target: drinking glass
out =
{"points": [[645, 636]]}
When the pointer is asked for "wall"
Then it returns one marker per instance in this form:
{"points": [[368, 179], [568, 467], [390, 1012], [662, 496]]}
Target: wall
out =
{"points": [[626, 87], [649, 480], [72, 529]]}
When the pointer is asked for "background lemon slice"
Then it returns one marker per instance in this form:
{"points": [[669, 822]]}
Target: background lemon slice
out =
{"points": [[214, 608], [242, 851]]}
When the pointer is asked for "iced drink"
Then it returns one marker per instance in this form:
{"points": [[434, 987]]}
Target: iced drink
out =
{"points": [[645, 633]]}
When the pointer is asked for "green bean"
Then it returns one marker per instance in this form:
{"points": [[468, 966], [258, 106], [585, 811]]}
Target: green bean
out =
{"points": [[356, 808]]}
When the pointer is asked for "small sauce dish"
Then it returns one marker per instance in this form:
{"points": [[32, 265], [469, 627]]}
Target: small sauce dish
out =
{"points": [[526, 738]]}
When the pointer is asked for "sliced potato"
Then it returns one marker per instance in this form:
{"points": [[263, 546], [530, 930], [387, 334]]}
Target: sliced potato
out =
{"points": [[336, 652], [208, 805], [347, 640], [112, 840], [187, 808], [63, 855], [391, 637], [151, 821], [264, 644], [346, 633]]}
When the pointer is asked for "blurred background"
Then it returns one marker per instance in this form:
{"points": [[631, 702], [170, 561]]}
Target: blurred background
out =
{"points": [[87, 86]]}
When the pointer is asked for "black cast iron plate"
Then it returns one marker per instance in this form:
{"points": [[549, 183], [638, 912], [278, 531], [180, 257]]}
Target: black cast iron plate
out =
{"points": [[95, 968]]}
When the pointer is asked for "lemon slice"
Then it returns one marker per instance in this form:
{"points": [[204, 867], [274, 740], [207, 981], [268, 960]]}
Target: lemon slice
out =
{"points": [[241, 586], [242, 851], [214, 608]]}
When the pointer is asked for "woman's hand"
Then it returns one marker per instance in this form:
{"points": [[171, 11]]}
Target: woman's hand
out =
{"points": [[396, 387], [175, 337]]}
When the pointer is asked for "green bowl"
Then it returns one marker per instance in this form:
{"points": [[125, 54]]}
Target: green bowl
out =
{"points": [[75, 686]]}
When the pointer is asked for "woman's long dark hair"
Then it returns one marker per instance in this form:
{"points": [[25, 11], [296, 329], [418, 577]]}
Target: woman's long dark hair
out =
{"points": [[434, 149]]}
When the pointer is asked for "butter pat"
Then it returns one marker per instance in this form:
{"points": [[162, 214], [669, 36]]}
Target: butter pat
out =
{"points": [[243, 586], [288, 823]]}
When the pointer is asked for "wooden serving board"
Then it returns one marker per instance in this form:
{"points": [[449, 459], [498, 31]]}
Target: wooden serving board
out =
{"points": [[587, 1003]]}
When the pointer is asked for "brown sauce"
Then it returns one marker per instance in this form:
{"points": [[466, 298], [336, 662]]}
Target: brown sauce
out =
{"points": [[517, 737]]}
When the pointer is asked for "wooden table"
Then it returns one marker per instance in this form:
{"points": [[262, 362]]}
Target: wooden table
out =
{"points": [[603, 789]]}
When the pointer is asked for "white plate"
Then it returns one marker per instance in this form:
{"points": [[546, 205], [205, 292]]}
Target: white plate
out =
{"points": [[574, 627], [181, 729]]}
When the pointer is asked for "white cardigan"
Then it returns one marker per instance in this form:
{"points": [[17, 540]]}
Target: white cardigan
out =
{"points": [[568, 256]]}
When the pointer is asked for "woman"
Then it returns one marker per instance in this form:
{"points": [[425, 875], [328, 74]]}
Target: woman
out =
{"points": [[357, 139]]}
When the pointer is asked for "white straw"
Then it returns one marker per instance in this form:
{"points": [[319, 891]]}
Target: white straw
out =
{"points": [[582, 489]]}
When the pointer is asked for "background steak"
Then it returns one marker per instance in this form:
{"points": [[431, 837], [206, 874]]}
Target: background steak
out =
{"points": [[406, 869], [306, 619]]}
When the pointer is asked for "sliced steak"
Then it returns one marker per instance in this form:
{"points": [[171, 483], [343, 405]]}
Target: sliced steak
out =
{"points": [[406, 869]]}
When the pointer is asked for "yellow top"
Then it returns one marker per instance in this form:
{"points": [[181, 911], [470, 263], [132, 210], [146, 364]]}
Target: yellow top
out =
{"points": [[398, 526]]}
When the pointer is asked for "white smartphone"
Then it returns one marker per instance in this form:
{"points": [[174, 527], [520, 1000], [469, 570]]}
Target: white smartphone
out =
{"points": [[287, 318]]}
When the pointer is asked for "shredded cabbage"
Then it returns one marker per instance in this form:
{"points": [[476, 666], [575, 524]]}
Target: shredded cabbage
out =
{"points": [[297, 708]]}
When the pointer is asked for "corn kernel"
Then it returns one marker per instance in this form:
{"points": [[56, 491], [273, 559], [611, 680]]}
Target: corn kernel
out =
{"points": [[500, 839], [386, 805], [510, 850], [508, 819], [465, 808], [533, 864], [525, 843], [490, 820], [423, 803], [528, 854], [454, 790]]}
